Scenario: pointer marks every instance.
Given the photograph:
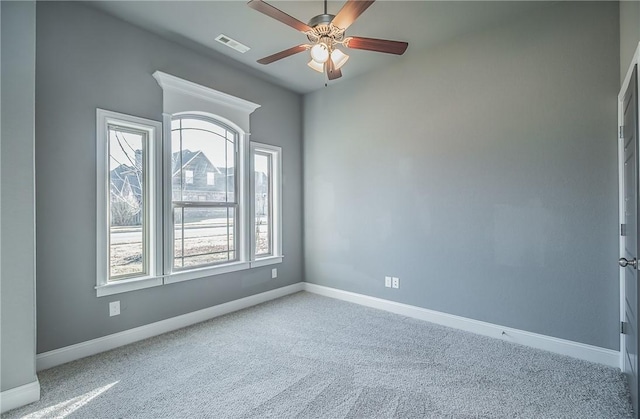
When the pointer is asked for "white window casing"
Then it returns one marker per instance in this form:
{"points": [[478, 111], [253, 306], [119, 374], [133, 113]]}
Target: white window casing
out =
{"points": [[275, 180], [153, 229], [182, 97]]}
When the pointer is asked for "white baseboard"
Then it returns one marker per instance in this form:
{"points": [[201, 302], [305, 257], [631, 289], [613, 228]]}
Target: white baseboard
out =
{"points": [[561, 346], [573, 349], [19, 396], [71, 353]]}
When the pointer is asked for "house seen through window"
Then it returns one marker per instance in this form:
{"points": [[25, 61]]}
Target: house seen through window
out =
{"points": [[127, 206]]}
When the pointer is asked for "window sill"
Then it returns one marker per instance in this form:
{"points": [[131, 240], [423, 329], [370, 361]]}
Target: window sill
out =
{"points": [[271, 260], [127, 285], [205, 272]]}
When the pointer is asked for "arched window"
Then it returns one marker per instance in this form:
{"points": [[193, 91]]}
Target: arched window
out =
{"points": [[204, 191]]}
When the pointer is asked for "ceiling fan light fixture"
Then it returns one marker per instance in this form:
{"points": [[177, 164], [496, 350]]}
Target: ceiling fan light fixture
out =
{"points": [[339, 58], [320, 53], [324, 32], [319, 67]]}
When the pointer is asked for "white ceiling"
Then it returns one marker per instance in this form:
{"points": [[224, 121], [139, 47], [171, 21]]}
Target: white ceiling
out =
{"points": [[421, 23]]}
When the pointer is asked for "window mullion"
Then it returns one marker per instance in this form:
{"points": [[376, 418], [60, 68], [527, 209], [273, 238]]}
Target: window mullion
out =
{"points": [[168, 215], [182, 236]]}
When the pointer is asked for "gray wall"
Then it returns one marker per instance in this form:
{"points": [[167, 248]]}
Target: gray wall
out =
{"points": [[629, 33], [87, 59], [481, 173], [17, 263]]}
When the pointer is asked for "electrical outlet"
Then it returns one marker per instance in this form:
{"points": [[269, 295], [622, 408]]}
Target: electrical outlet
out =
{"points": [[395, 282], [114, 308], [387, 281], [274, 273]]}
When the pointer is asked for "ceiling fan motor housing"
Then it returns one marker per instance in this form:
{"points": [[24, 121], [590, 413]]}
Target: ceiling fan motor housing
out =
{"points": [[324, 19], [323, 30]]}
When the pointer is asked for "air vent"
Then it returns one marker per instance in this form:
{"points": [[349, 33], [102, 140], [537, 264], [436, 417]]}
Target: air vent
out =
{"points": [[232, 43]]}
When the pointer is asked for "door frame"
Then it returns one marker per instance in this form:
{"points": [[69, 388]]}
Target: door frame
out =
{"points": [[635, 60]]}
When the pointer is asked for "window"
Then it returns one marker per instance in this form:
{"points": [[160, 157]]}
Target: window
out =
{"points": [[203, 218], [266, 168], [126, 223], [263, 201], [128, 206], [188, 177], [204, 201]]}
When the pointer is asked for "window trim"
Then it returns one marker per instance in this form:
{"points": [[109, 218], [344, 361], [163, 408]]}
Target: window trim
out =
{"points": [[184, 97], [153, 130], [276, 181]]}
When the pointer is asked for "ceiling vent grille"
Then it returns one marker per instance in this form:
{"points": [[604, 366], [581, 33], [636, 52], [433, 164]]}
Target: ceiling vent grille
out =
{"points": [[232, 43]]}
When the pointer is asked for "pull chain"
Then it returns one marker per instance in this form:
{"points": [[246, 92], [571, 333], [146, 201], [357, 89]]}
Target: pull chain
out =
{"points": [[326, 75]]}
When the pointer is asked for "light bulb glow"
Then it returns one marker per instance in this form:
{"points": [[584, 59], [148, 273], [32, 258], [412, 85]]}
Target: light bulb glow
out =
{"points": [[339, 58], [320, 53], [319, 67]]}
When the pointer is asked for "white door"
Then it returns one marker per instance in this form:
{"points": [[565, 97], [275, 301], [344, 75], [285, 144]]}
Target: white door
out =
{"points": [[629, 232]]}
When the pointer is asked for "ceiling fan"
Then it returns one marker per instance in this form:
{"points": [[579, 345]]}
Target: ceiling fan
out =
{"points": [[325, 33]]}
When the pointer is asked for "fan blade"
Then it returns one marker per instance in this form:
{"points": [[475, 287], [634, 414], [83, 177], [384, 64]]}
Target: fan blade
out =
{"points": [[378, 45], [283, 54], [278, 14], [332, 73], [350, 12]]}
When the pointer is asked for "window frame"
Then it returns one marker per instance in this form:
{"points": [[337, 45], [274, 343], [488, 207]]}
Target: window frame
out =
{"points": [[146, 204], [276, 183], [153, 131], [181, 97], [236, 204], [242, 261], [270, 196]]}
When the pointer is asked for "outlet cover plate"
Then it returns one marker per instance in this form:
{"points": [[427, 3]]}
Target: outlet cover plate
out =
{"points": [[114, 308], [395, 282]]}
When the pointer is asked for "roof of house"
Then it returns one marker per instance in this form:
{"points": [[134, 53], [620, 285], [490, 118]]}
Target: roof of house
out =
{"points": [[187, 157], [120, 173]]}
